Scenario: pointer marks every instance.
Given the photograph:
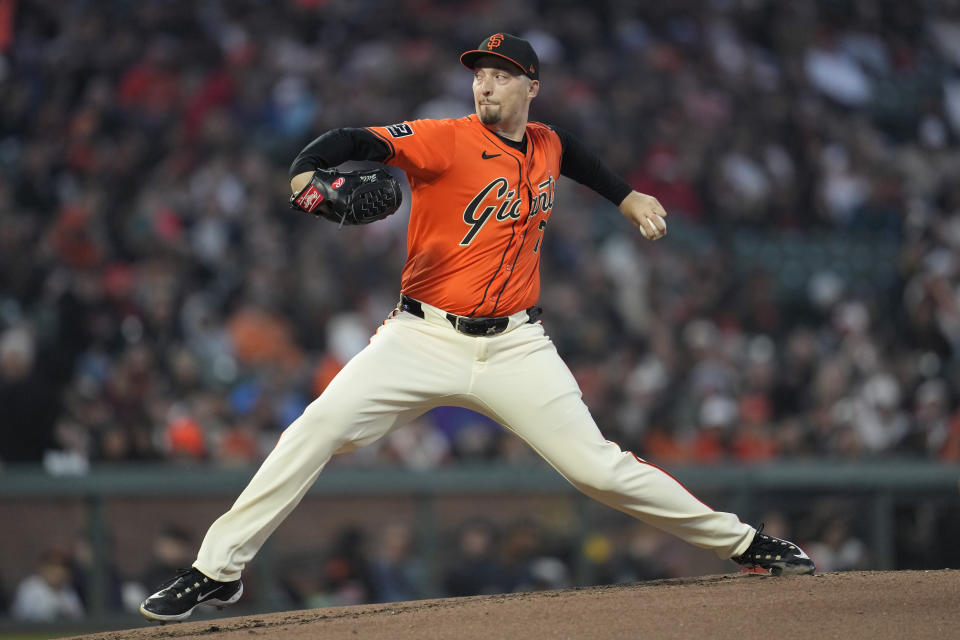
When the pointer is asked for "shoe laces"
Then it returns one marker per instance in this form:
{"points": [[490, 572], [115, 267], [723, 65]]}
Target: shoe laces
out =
{"points": [[760, 538], [182, 574], [762, 543]]}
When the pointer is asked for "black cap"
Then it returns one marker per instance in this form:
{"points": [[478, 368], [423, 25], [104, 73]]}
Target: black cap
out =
{"points": [[503, 45]]}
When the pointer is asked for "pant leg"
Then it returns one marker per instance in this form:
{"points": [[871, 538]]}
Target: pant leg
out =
{"points": [[405, 370], [528, 388]]}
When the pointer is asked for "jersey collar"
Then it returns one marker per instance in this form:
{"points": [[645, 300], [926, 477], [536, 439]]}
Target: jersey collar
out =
{"points": [[503, 143]]}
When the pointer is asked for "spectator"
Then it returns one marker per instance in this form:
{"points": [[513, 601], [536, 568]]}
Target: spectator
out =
{"points": [[346, 577], [48, 595], [836, 549], [29, 404], [396, 573], [528, 560], [83, 568], [475, 569], [718, 415]]}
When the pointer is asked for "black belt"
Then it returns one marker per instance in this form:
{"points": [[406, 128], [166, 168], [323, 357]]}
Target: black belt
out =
{"points": [[467, 325]]}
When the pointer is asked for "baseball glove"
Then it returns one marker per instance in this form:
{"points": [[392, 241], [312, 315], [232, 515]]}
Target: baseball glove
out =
{"points": [[349, 197]]}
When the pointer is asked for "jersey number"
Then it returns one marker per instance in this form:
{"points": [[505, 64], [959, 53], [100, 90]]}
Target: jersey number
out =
{"points": [[541, 227]]}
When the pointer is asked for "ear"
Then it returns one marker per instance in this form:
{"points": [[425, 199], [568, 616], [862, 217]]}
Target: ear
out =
{"points": [[533, 89]]}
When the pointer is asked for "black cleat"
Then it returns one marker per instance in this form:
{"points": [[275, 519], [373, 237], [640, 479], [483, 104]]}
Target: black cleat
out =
{"points": [[179, 596], [779, 557]]}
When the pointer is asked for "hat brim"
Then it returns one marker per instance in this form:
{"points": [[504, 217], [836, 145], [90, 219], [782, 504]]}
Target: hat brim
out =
{"points": [[469, 59]]}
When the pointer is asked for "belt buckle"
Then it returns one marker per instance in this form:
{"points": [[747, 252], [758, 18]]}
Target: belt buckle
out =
{"points": [[465, 326], [469, 326]]}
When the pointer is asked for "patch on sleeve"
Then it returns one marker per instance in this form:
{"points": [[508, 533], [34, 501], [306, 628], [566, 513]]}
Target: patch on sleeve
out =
{"points": [[400, 130]]}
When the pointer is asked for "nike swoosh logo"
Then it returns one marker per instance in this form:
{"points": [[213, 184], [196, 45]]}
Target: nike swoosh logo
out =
{"points": [[486, 156], [202, 596]]}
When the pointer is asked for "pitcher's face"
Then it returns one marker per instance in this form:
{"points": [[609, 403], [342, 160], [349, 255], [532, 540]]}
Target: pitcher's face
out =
{"points": [[501, 94]]}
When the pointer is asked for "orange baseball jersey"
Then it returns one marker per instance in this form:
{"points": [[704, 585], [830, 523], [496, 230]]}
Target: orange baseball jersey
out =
{"points": [[478, 212]]}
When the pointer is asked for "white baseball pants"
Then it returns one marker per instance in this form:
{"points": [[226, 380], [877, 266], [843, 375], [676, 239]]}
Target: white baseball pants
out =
{"points": [[517, 378]]}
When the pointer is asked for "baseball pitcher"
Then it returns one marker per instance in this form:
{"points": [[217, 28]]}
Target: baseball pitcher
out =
{"points": [[465, 331]]}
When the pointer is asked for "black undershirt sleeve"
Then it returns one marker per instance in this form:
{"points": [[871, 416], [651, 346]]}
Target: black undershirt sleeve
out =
{"points": [[337, 146], [583, 165]]}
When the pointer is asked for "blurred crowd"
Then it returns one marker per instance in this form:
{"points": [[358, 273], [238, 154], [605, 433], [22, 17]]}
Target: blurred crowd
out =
{"points": [[159, 301], [482, 556]]}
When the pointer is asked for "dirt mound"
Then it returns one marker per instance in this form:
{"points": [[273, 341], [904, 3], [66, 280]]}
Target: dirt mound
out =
{"points": [[865, 604]]}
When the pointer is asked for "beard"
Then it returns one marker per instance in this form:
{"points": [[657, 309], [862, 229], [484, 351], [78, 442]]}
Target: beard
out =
{"points": [[489, 114]]}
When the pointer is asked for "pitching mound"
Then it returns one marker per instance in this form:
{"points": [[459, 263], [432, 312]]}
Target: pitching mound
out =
{"points": [[894, 604]]}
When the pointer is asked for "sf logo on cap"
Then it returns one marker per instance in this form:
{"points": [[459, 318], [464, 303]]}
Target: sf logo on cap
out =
{"points": [[495, 41]]}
